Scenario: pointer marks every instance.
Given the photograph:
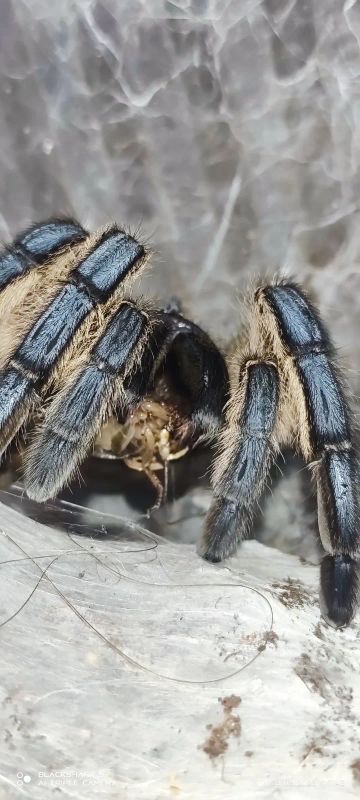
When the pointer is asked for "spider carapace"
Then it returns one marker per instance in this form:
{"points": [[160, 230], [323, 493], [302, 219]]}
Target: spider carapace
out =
{"points": [[83, 364]]}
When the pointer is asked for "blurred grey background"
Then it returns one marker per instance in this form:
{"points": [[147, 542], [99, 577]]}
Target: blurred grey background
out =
{"points": [[229, 130]]}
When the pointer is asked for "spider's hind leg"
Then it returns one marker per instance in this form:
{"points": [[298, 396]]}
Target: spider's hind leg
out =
{"points": [[318, 407]]}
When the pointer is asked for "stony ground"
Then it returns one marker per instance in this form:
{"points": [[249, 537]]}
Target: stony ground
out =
{"points": [[131, 669]]}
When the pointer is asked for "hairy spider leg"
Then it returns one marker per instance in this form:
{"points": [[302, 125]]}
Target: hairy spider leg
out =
{"points": [[78, 412], [113, 258], [325, 439], [35, 245], [246, 452]]}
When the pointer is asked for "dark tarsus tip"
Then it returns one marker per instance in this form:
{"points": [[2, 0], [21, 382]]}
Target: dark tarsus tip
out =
{"points": [[339, 589], [222, 530]]}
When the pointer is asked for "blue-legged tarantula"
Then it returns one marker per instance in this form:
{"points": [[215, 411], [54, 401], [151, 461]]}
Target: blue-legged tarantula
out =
{"points": [[83, 364]]}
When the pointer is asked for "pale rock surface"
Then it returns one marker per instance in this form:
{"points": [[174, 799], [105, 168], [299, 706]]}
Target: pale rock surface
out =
{"points": [[131, 669], [229, 130]]}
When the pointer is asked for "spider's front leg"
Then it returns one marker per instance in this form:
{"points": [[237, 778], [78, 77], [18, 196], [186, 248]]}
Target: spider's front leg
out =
{"points": [[87, 397], [53, 294]]}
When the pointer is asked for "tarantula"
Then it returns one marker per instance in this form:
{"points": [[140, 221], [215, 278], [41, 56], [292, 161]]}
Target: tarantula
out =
{"points": [[77, 351]]}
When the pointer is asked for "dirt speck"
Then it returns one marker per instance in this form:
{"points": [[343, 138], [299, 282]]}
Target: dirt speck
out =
{"points": [[217, 741], [318, 631], [314, 748], [269, 637], [312, 675], [293, 594], [230, 702]]}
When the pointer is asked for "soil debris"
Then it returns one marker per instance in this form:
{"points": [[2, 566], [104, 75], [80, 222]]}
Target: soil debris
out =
{"points": [[293, 594], [217, 741]]}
